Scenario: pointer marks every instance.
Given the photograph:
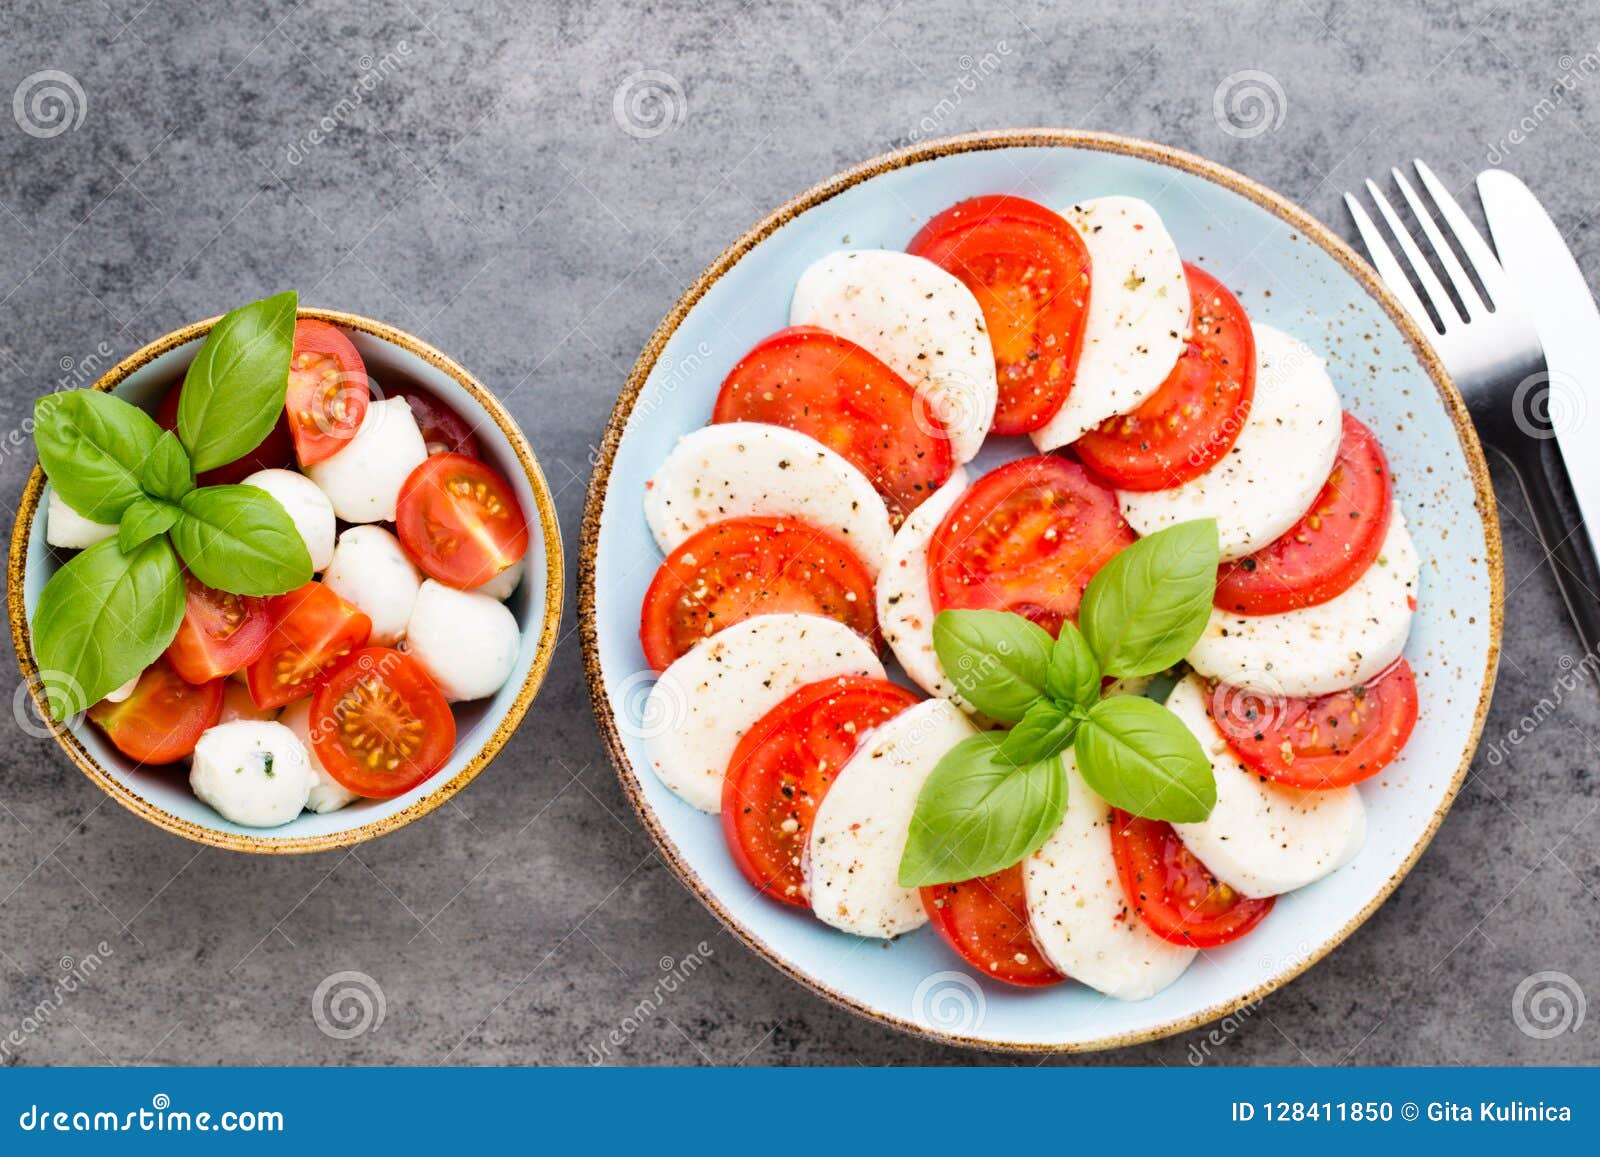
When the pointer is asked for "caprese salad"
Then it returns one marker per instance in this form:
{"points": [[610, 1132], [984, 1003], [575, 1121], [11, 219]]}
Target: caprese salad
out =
{"points": [[284, 576], [1154, 653]]}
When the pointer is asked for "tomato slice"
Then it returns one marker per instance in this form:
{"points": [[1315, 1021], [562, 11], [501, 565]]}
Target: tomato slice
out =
{"points": [[1029, 270], [328, 391], [459, 521], [986, 921], [1190, 423], [312, 629], [1329, 741], [164, 717], [823, 385], [1174, 894], [1026, 538], [379, 723], [443, 430], [1327, 551], [275, 451], [743, 567], [221, 633], [783, 767]]}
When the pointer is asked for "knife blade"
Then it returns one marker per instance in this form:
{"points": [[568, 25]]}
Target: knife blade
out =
{"points": [[1553, 289]]}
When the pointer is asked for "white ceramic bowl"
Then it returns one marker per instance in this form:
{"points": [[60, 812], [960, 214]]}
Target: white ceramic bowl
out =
{"points": [[162, 795]]}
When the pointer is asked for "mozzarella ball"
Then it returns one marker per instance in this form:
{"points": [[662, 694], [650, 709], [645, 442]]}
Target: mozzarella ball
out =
{"points": [[308, 507], [501, 586], [121, 693], [256, 774], [363, 479], [237, 704], [467, 641], [66, 528], [371, 572], [327, 793]]}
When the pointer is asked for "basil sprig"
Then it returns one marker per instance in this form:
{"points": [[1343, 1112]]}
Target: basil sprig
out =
{"points": [[994, 799], [111, 611]]}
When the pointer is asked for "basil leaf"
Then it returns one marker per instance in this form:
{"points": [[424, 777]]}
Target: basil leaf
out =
{"points": [[997, 660], [104, 617], [93, 447], [1044, 731], [1074, 673], [1141, 758], [233, 393], [240, 539], [1145, 609], [142, 521], [167, 473], [978, 813]]}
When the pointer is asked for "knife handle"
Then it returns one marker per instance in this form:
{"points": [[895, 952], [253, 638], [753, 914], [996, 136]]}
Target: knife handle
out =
{"points": [[1548, 490]]}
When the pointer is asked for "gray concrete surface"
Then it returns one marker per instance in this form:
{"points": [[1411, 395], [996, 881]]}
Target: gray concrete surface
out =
{"points": [[483, 194]]}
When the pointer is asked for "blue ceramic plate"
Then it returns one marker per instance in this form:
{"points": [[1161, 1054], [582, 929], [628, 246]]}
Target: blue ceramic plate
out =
{"points": [[162, 795], [1288, 271]]}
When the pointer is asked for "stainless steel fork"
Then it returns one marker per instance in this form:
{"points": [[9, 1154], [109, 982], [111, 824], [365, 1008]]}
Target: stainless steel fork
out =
{"points": [[1492, 351]]}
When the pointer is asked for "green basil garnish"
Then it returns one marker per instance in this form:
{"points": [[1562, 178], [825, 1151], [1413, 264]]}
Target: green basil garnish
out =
{"points": [[167, 473], [1146, 608], [93, 447], [996, 660], [1074, 673], [1140, 757], [234, 390], [241, 539], [142, 521], [1045, 730]]}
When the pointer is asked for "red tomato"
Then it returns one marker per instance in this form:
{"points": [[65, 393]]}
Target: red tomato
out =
{"points": [[379, 724], [312, 629], [734, 570], [444, 430], [164, 717], [1172, 891], [1189, 424], [459, 521], [275, 451], [783, 767], [1026, 538], [328, 391], [1029, 270], [1326, 552], [221, 633], [986, 921], [820, 384], [1330, 741]]}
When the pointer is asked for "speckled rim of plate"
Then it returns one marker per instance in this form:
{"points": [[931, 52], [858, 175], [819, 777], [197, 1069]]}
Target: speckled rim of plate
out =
{"points": [[1280, 207], [553, 578]]}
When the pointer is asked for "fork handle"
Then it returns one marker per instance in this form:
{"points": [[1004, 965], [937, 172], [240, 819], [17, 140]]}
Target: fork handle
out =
{"points": [[1553, 504]]}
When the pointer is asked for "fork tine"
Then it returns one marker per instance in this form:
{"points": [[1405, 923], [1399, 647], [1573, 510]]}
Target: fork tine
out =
{"points": [[1388, 267], [1479, 255], [1443, 307], [1468, 293]]}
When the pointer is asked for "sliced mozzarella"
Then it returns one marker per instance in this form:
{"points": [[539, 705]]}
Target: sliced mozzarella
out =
{"points": [[1138, 317], [503, 584], [467, 641], [1262, 838], [747, 469], [919, 321], [372, 573], [306, 505], [1277, 466], [1078, 913], [862, 824], [703, 704], [256, 774], [1317, 650], [327, 794], [66, 528], [905, 603], [363, 479]]}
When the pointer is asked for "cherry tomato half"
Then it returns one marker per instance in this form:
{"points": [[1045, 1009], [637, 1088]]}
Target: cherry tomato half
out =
{"points": [[459, 521], [221, 633], [164, 717], [312, 630], [379, 723], [1174, 894], [328, 391], [443, 430], [986, 921]]}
